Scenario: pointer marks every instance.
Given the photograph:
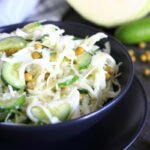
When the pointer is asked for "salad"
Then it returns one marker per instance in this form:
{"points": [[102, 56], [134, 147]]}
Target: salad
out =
{"points": [[47, 76]]}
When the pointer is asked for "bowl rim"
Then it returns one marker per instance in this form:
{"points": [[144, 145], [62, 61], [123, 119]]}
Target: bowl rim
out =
{"points": [[109, 105]]}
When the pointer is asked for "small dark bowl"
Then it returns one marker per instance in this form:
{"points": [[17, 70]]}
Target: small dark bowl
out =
{"points": [[67, 129]]}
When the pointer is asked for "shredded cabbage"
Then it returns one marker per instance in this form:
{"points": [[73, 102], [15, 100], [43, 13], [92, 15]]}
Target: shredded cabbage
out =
{"points": [[59, 61]]}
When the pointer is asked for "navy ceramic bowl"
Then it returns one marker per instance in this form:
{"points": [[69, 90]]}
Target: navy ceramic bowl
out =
{"points": [[62, 131]]}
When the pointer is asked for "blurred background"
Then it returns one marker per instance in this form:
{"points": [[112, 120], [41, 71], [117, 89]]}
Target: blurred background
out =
{"points": [[14, 11], [117, 17]]}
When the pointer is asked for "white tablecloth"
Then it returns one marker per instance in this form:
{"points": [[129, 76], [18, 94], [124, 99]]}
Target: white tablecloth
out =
{"points": [[16, 11]]}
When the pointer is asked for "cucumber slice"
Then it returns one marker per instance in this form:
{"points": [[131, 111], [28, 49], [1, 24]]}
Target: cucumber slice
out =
{"points": [[31, 27], [12, 104], [46, 42], [14, 43], [39, 114], [61, 111], [10, 74], [67, 81], [84, 60]]}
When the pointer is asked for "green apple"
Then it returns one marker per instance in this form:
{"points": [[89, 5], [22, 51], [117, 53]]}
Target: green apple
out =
{"points": [[110, 13]]}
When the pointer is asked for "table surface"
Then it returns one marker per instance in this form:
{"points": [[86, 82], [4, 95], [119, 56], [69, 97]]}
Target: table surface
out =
{"points": [[143, 142]]}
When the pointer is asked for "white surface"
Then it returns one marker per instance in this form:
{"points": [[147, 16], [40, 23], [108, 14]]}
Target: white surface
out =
{"points": [[15, 11]]}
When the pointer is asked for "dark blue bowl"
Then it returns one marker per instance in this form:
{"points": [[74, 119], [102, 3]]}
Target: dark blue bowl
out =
{"points": [[71, 128]]}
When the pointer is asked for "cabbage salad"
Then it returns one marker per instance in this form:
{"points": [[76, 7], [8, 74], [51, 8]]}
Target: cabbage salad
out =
{"points": [[48, 76]]}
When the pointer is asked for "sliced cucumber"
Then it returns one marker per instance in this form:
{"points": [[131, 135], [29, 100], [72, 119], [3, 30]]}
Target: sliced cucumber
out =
{"points": [[12, 104], [31, 27], [39, 114], [14, 43], [61, 111], [10, 74], [46, 42], [67, 81], [84, 60]]}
